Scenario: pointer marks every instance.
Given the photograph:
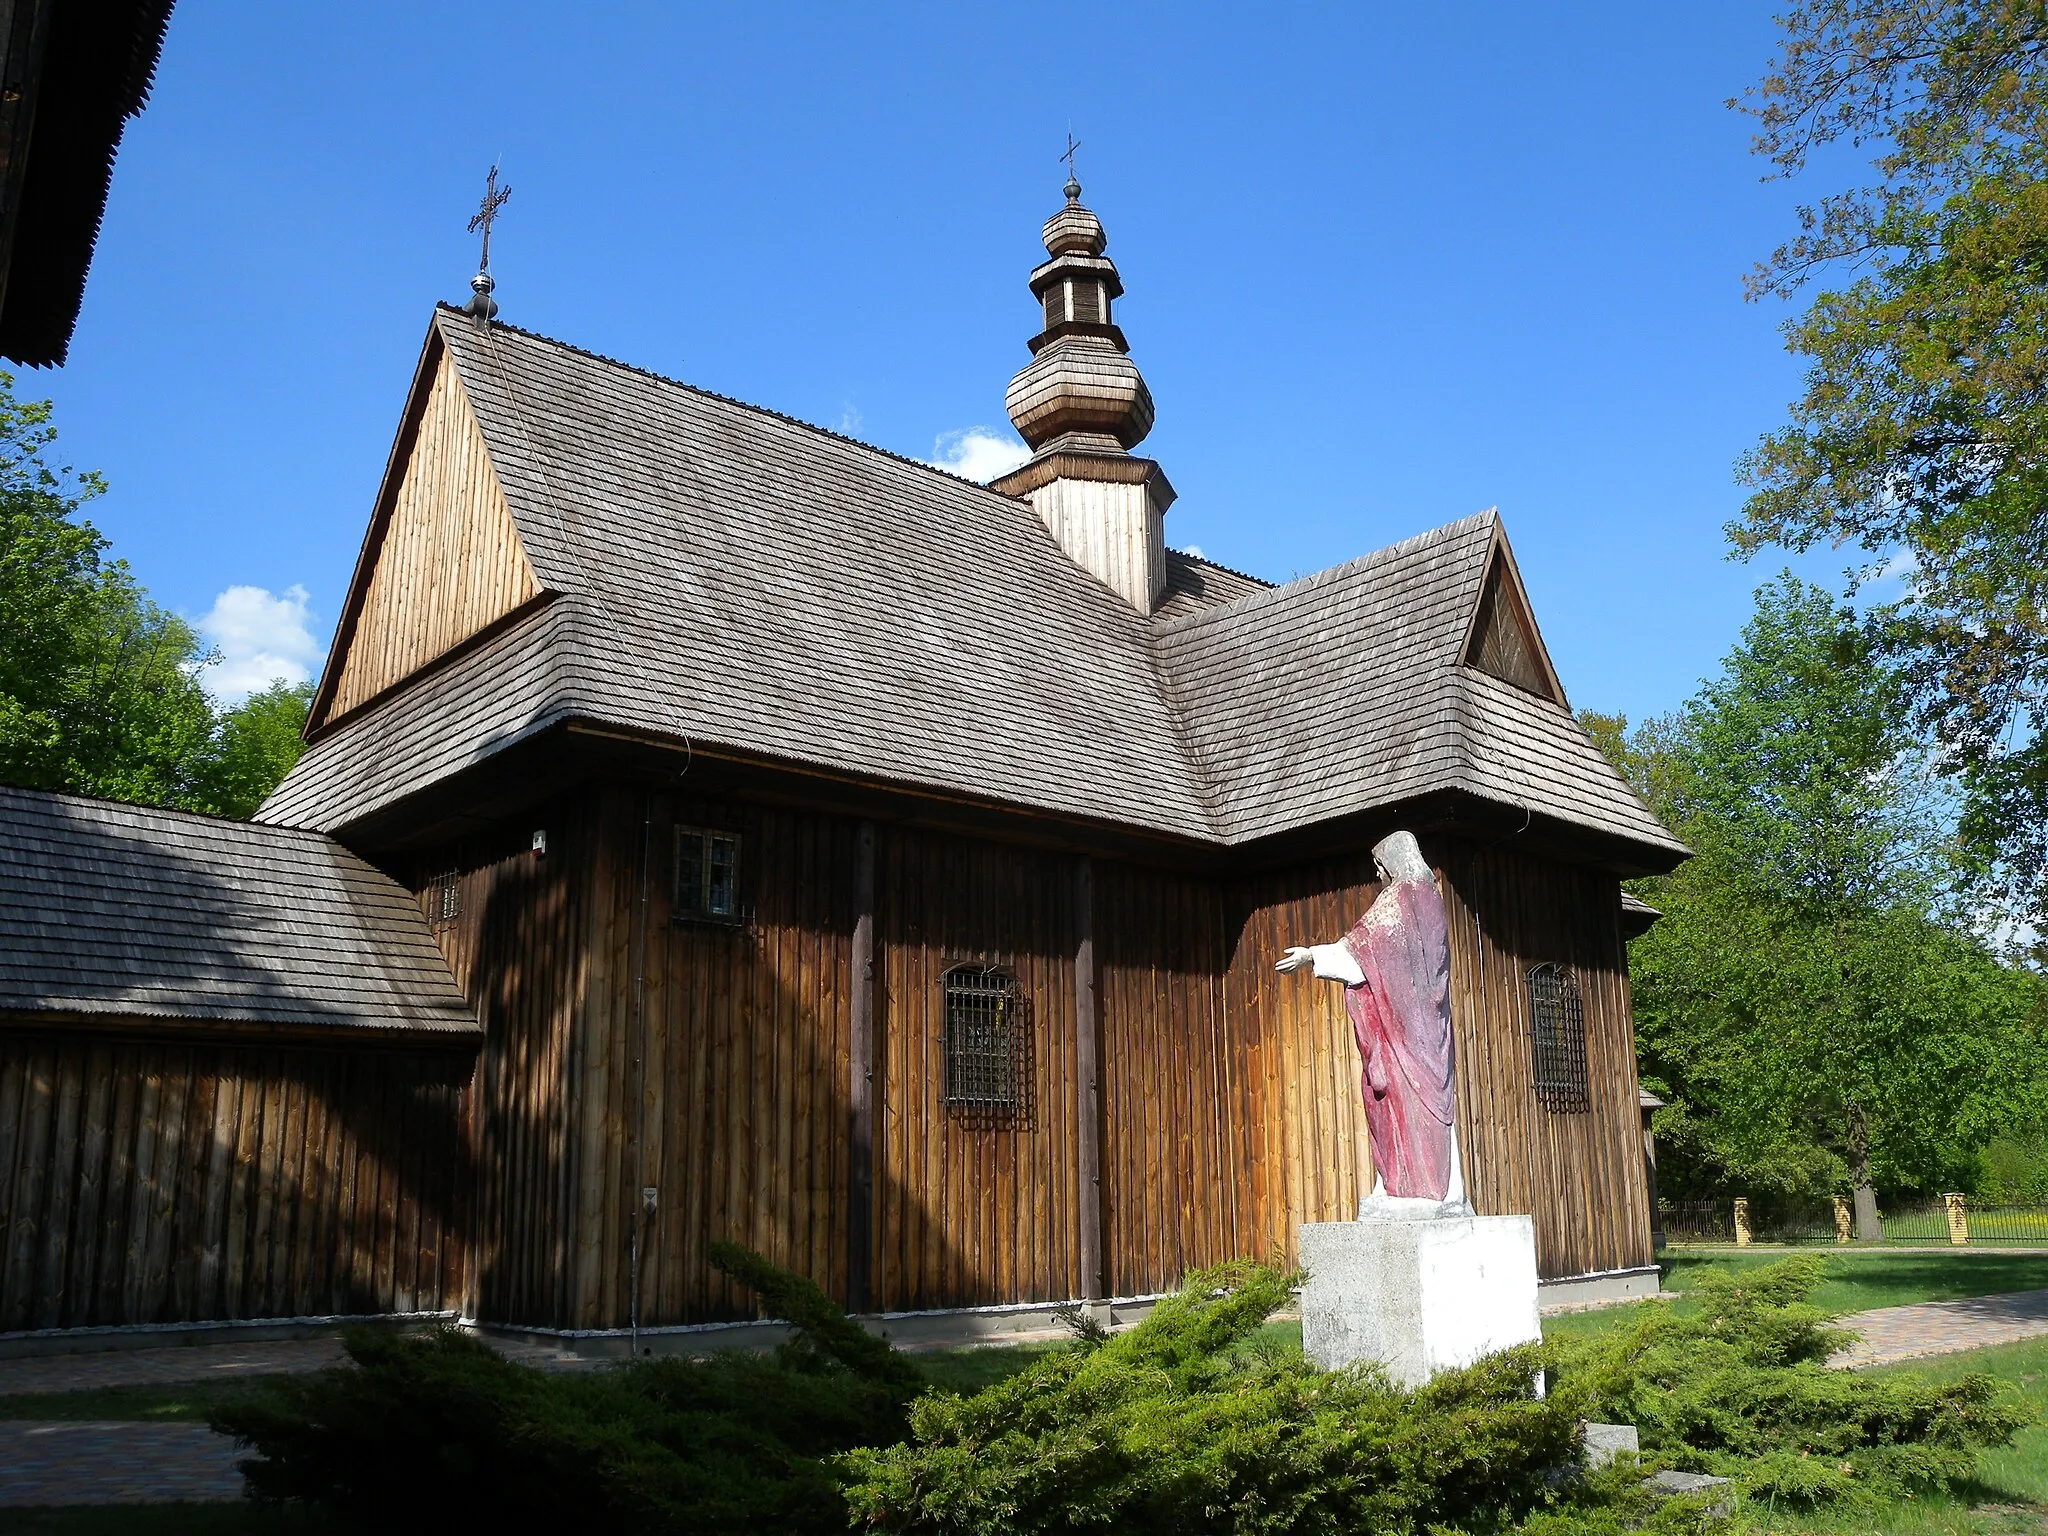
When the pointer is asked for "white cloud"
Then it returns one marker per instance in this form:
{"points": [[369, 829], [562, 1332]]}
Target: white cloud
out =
{"points": [[849, 422], [261, 637], [1192, 549], [977, 453]]}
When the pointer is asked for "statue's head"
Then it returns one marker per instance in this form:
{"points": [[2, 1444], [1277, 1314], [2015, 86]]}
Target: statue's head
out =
{"points": [[1399, 857]]}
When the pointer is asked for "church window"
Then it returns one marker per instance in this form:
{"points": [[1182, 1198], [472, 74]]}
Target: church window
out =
{"points": [[444, 898], [1557, 1039], [707, 874], [984, 1040]]}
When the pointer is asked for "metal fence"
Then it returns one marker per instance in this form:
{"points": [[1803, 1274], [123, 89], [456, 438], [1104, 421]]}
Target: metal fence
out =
{"points": [[1949, 1221]]}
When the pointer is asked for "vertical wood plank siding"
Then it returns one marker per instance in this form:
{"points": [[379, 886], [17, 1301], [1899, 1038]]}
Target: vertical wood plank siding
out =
{"points": [[1229, 1093], [164, 1183], [1580, 1175], [520, 950], [449, 560], [1172, 1150], [973, 1209]]}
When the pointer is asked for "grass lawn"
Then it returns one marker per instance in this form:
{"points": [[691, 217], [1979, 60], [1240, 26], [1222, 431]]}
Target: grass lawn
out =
{"points": [[176, 1403], [1856, 1280], [2012, 1494]]}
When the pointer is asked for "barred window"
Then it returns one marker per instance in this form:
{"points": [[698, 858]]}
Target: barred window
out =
{"points": [[1557, 1039], [444, 898], [707, 874], [984, 1041]]}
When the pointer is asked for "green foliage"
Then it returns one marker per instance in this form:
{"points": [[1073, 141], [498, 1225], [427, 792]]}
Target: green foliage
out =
{"points": [[2013, 1170], [1737, 1387], [1814, 1005], [439, 1431], [1921, 433], [1188, 1424], [254, 747], [99, 687]]}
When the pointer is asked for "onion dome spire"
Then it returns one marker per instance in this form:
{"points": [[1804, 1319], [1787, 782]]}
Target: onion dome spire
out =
{"points": [[1082, 406], [1080, 389]]}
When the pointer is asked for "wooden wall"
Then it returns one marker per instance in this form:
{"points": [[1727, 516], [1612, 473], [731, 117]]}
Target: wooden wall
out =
{"points": [[446, 561], [968, 1211], [1580, 1175], [1174, 1143], [518, 948], [710, 1062], [1296, 1069], [162, 1182]]}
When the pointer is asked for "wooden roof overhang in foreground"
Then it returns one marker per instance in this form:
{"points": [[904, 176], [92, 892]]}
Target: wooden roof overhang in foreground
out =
{"points": [[72, 72], [576, 567], [118, 919]]}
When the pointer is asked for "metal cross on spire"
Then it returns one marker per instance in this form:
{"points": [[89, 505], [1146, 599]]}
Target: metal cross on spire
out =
{"points": [[1073, 186], [487, 214]]}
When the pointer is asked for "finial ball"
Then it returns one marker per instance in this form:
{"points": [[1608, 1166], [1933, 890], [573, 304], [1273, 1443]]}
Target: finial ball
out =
{"points": [[1073, 190]]}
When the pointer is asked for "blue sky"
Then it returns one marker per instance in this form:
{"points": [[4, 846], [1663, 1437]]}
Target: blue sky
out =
{"points": [[1384, 266]]}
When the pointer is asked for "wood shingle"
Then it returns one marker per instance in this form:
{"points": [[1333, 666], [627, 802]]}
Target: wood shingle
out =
{"points": [[723, 575], [111, 911]]}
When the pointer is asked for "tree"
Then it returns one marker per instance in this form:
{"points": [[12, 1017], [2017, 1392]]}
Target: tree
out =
{"points": [[1812, 1002], [100, 689], [1921, 434]]}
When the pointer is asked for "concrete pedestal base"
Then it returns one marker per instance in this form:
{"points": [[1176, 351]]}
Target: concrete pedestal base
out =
{"points": [[1417, 1296]]}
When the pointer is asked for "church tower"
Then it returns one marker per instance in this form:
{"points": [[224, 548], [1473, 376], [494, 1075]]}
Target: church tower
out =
{"points": [[1082, 406]]}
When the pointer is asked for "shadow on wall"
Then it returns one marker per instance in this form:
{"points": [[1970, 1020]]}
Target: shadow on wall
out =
{"points": [[150, 1177], [716, 1074]]}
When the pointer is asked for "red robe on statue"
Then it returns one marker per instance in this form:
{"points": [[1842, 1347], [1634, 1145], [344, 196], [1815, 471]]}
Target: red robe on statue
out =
{"points": [[1401, 1015]]}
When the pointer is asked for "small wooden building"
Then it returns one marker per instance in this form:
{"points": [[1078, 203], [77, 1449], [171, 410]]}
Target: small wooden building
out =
{"points": [[887, 871]]}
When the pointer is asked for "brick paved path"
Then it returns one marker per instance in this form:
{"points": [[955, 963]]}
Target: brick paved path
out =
{"points": [[1943, 1327], [158, 1367], [91, 1463]]}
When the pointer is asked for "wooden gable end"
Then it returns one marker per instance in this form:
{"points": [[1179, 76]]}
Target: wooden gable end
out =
{"points": [[442, 561], [1503, 641]]}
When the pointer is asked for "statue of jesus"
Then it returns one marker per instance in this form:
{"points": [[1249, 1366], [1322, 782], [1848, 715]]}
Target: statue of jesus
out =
{"points": [[1395, 966]]}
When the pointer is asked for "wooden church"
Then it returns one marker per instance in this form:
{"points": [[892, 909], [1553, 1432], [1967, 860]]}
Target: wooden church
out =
{"points": [[712, 827]]}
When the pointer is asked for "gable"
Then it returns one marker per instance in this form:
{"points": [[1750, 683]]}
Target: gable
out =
{"points": [[1504, 642], [442, 563]]}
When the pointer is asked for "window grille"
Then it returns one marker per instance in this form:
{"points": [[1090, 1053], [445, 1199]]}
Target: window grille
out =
{"points": [[707, 874], [1557, 1039], [444, 902], [986, 1044]]}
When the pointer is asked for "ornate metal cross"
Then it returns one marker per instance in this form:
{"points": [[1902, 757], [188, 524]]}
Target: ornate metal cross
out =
{"points": [[487, 214], [1072, 145]]}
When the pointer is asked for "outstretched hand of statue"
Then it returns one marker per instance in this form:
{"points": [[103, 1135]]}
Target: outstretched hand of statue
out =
{"points": [[1296, 959]]}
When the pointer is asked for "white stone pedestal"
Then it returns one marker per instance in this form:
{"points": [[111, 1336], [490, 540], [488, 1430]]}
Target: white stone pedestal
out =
{"points": [[1417, 1296]]}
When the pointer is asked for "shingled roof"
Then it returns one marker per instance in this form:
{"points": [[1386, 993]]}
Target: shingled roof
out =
{"points": [[111, 911], [729, 576]]}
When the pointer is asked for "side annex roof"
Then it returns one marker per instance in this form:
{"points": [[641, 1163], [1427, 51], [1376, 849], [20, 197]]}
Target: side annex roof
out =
{"points": [[111, 912]]}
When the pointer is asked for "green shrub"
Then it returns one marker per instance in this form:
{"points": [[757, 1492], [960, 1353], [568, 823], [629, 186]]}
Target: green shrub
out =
{"points": [[1189, 1424], [439, 1431], [1739, 1388]]}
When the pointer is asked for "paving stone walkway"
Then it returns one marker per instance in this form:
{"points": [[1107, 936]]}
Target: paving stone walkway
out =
{"points": [[84, 1462], [1943, 1327]]}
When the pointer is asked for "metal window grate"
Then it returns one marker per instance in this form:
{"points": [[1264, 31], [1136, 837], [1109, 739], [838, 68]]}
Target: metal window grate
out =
{"points": [[985, 1041], [1557, 1039], [445, 900]]}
